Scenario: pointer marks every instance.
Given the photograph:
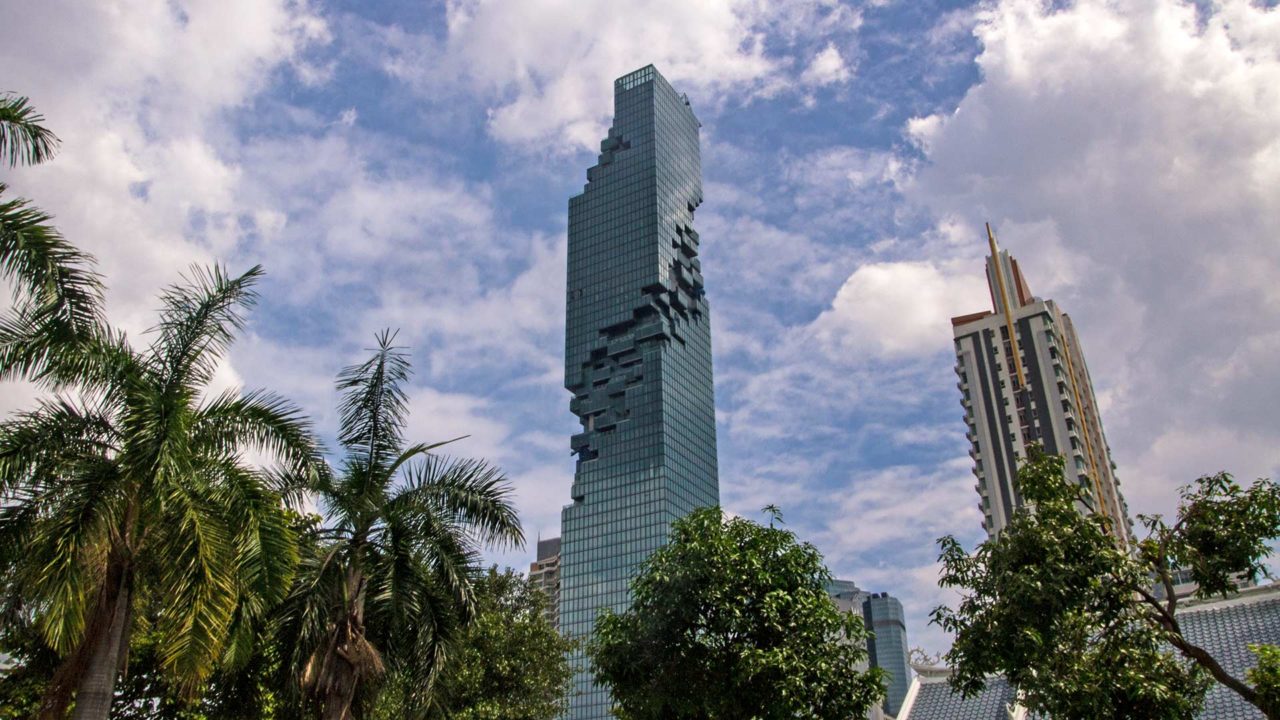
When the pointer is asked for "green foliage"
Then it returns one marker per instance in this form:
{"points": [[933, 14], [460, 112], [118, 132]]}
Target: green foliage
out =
{"points": [[134, 491], [509, 663], [57, 295], [22, 136], [391, 581], [30, 665], [1221, 533], [730, 621], [1069, 618], [1265, 676]]}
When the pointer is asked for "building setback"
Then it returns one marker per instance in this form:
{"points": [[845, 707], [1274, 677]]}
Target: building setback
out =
{"points": [[1023, 381], [637, 360]]}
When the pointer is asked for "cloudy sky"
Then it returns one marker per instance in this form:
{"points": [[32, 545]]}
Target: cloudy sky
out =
{"points": [[408, 165]]}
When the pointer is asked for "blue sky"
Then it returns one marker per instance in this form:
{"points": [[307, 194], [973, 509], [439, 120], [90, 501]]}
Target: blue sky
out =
{"points": [[408, 165]]}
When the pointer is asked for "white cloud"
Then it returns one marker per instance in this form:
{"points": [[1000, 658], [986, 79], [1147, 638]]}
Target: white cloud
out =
{"points": [[899, 308], [137, 94], [547, 67], [1128, 151], [826, 68]]}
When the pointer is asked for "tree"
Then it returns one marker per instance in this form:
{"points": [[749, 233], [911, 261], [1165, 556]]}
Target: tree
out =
{"points": [[509, 663], [392, 583], [135, 488], [732, 620], [246, 690], [57, 295], [1070, 618]]}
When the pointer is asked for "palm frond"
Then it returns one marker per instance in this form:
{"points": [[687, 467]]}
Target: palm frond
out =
{"points": [[262, 421], [196, 588], [266, 548], [305, 620], [446, 550], [41, 446], [37, 347], [198, 323], [420, 449], [72, 543], [373, 408], [22, 137], [420, 598], [49, 272], [16, 522], [469, 493]]}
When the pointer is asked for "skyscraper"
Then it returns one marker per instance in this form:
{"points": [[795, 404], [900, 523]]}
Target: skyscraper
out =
{"points": [[1023, 380], [544, 574], [887, 649], [637, 359]]}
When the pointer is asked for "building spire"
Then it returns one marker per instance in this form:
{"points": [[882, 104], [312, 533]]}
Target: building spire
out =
{"points": [[998, 267]]}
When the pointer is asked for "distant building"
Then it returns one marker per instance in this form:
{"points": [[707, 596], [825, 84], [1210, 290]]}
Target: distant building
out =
{"points": [[882, 614], [888, 649], [1223, 627], [637, 360], [1022, 381], [1184, 585], [544, 574]]}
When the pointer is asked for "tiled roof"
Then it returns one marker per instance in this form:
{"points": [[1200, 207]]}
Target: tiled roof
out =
{"points": [[1225, 628], [935, 701]]}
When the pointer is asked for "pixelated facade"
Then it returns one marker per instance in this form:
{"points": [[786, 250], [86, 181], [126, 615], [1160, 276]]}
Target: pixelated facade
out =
{"points": [[637, 359]]}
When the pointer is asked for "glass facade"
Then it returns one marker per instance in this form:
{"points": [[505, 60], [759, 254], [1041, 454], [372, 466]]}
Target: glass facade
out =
{"points": [[637, 359], [887, 650]]}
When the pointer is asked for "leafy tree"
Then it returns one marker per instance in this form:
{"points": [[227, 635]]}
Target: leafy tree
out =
{"points": [[1070, 618], [392, 583], [509, 663], [732, 620], [135, 489]]}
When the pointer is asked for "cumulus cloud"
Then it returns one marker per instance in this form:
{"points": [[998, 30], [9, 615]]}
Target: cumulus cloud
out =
{"points": [[547, 68], [898, 308], [1139, 139], [133, 92], [826, 68]]}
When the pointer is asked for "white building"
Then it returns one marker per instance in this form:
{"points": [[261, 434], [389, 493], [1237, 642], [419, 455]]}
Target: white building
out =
{"points": [[1023, 380]]}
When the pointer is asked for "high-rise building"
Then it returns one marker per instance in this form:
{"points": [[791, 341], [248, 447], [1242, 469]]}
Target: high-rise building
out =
{"points": [[1023, 381], [544, 574], [637, 359], [883, 616], [887, 650]]}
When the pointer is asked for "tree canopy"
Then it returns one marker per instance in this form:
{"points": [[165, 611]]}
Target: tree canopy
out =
{"points": [[729, 621], [1071, 619], [508, 663], [392, 581]]}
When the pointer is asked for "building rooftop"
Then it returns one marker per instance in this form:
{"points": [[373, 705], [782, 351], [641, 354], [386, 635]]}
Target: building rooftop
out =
{"points": [[1223, 627]]}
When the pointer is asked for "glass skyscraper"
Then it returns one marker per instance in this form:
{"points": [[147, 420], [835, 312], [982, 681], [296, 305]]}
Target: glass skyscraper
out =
{"points": [[637, 359]]}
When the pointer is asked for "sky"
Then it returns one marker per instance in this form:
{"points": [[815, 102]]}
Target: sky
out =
{"points": [[408, 165]]}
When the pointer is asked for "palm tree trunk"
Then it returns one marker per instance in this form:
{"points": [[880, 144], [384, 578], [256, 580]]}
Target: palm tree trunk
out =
{"points": [[97, 685], [342, 691]]}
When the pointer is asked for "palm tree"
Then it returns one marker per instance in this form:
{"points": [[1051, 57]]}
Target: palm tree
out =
{"points": [[393, 578], [136, 487], [22, 137], [58, 296]]}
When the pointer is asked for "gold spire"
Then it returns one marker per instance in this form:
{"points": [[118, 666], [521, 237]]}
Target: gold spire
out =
{"points": [[1008, 313]]}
